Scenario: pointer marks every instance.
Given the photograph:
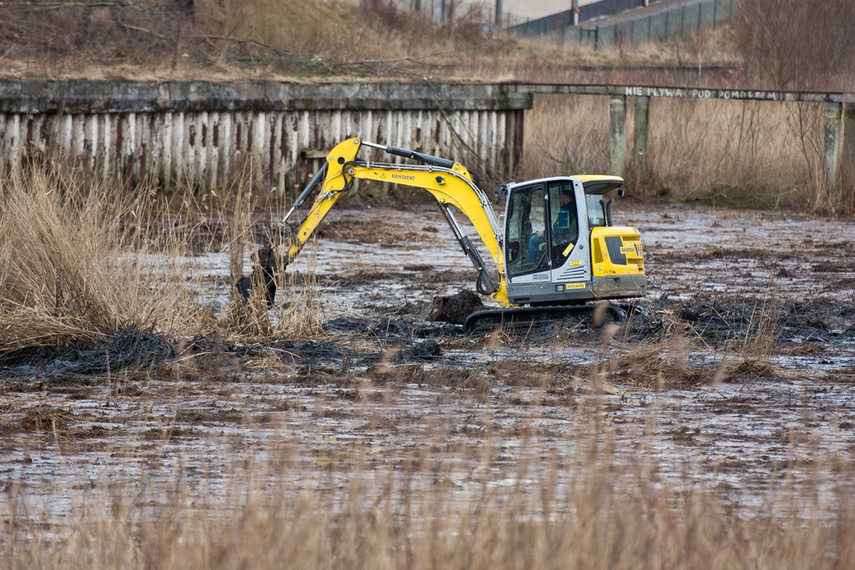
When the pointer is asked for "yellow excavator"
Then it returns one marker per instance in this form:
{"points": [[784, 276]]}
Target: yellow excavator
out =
{"points": [[556, 250]]}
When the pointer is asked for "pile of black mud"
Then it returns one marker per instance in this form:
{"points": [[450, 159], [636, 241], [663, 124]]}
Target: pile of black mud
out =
{"points": [[129, 348], [404, 335], [404, 338], [455, 308], [725, 319], [401, 338]]}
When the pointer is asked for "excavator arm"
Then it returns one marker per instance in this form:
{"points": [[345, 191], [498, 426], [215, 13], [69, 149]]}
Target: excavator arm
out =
{"points": [[449, 182]]}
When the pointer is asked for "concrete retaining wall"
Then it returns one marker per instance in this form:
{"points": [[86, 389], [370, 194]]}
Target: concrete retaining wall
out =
{"points": [[202, 134]]}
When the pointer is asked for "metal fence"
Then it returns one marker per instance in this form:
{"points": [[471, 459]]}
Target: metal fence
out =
{"points": [[662, 25], [562, 20]]}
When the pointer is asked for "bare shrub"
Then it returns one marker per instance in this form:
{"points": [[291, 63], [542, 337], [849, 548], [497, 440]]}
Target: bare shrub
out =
{"points": [[333, 38], [728, 150], [94, 33], [797, 45], [293, 27]]}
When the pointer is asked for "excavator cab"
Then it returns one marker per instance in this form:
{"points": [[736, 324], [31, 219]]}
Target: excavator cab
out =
{"points": [[556, 231]]}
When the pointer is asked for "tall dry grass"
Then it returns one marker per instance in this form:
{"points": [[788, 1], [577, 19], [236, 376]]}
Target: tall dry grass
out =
{"points": [[566, 135], [72, 275], [588, 505], [743, 153], [84, 259]]}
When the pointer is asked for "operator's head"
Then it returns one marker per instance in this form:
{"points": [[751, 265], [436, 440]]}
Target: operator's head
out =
{"points": [[566, 196]]}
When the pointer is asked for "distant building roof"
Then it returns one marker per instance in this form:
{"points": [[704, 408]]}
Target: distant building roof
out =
{"points": [[533, 9]]}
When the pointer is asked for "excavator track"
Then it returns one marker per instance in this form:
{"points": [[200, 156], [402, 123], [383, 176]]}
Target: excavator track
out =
{"points": [[522, 318]]}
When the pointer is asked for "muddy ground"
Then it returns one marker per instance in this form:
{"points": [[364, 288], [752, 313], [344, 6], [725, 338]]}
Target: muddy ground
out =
{"points": [[738, 369]]}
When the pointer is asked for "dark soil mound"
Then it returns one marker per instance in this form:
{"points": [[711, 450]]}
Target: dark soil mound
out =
{"points": [[456, 308], [130, 348]]}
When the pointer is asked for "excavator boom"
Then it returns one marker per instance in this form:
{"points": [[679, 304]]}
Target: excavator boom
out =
{"points": [[449, 182]]}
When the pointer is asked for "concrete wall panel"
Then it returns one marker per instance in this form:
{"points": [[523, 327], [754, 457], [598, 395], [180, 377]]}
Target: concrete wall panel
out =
{"points": [[202, 134]]}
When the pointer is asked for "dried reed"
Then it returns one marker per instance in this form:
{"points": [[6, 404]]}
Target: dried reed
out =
{"points": [[72, 274], [589, 505], [756, 154]]}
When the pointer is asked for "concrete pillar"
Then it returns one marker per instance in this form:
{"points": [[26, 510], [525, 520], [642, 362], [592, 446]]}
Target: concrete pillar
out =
{"points": [[848, 159], [12, 143], [832, 138], [641, 135], [617, 129]]}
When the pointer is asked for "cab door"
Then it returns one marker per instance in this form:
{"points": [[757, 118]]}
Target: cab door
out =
{"points": [[569, 237], [527, 235]]}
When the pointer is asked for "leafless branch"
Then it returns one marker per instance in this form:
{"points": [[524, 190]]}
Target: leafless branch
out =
{"points": [[277, 51], [143, 30], [44, 6]]}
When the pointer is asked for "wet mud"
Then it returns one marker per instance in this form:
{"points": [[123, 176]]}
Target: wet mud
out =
{"points": [[714, 279], [742, 353]]}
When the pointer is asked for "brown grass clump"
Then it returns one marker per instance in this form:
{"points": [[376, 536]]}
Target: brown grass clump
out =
{"points": [[760, 336], [661, 363], [298, 307], [67, 278], [301, 313], [84, 260]]}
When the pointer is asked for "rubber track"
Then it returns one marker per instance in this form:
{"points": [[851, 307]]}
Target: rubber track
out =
{"points": [[518, 318]]}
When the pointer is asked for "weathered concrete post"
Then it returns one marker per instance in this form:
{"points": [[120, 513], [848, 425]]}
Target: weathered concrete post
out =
{"points": [[641, 136], [11, 142], [848, 158], [617, 129], [832, 138]]}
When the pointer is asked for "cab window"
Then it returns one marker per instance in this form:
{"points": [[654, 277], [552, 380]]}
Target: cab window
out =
{"points": [[526, 231], [564, 224], [597, 204]]}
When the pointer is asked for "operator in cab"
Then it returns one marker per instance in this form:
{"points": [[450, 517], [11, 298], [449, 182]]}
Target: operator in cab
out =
{"points": [[565, 228]]}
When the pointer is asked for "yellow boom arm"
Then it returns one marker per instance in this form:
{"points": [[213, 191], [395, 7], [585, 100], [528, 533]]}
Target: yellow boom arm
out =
{"points": [[449, 182]]}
